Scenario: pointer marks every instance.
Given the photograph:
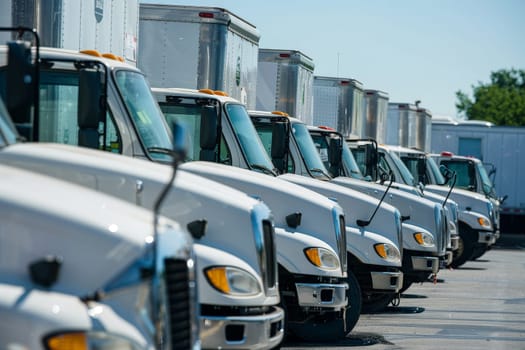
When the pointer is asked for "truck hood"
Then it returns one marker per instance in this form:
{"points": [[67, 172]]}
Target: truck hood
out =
{"points": [[319, 215], [419, 211], [228, 212], [465, 199], [357, 206], [97, 237]]}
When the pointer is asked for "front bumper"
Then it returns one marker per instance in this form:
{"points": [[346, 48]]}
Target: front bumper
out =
{"points": [[486, 237], [454, 242], [447, 260], [387, 281], [323, 295], [242, 332], [425, 263]]}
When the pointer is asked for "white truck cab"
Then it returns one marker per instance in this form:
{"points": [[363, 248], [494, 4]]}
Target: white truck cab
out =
{"points": [[479, 216], [211, 117], [79, 267]]}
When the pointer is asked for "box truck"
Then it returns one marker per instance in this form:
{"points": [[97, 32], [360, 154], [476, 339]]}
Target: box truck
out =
{"points": [[198, 47], [285, 83], [223, 136], [501, 149]]}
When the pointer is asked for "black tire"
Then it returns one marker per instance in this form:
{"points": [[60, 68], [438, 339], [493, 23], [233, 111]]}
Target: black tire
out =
{"points": [[465, 249], [478, 252], [406, 284], [376, 302], [355, 302]]}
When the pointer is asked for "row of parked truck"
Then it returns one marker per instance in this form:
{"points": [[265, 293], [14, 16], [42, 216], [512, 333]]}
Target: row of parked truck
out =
{"points": [[170, 217]]}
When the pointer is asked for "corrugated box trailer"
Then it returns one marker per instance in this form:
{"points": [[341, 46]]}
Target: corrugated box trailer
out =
{"points": [[198, 48], [285, 83]]}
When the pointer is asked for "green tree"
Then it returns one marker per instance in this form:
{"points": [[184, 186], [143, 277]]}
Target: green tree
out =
{"points": [[502, 101]]}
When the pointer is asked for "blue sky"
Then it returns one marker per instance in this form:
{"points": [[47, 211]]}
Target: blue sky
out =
{"points": [[412, 49]]}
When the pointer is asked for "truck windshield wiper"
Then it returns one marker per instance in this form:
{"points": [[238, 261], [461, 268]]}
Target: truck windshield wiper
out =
{"points": [[264, 169], [161, 150], [317, 170]]}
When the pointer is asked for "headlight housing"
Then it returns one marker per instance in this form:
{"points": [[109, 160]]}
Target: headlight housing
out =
{"points": [[233, 281], [424, 239], [87, 341], [322, 258], [483, 222], [387, 251]]}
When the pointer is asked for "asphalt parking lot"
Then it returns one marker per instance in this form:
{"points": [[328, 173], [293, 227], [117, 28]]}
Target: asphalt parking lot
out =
{"points": [[478, 306]]}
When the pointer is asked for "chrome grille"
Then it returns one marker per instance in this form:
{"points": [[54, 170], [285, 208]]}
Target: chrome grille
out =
{"points": [[180, 308], [444, 232], [397, 218], [341, 242], [270, 260]]}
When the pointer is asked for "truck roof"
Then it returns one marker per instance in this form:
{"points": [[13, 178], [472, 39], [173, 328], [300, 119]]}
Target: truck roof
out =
{"points": [[199, 14], [281, 55], [338, 80], [192, 93], [64, 54], [273, 114]]}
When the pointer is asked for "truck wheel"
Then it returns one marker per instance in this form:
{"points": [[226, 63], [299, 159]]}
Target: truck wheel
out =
{"points": [[377, 302], [478, 252], [465, 249], [355, 302], [406, 284]]}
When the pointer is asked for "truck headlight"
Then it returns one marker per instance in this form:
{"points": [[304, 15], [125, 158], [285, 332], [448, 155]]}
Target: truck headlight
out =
{"points": [[233, 281], [322, 258], [483, 222], [424, 239], [87, 341], [387, 251]]}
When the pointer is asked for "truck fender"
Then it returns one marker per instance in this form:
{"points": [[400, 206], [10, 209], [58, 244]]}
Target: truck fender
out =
{"points": [[360, 243], [291, 256], [206, 257]]}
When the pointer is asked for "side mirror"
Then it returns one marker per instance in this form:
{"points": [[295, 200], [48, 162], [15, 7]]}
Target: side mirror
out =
{"points": [[208, 133], [446, 172], [278, 140], [20, 82], [180, 142], [279, 146], [335, 151], [91, 107]]}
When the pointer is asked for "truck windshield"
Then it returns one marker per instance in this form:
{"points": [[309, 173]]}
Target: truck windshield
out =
{"points": [[405, 173], [433, 168], [308, 151], [486, 184], [350, 165], [413, 163], [249, 141], [147, 117]]}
